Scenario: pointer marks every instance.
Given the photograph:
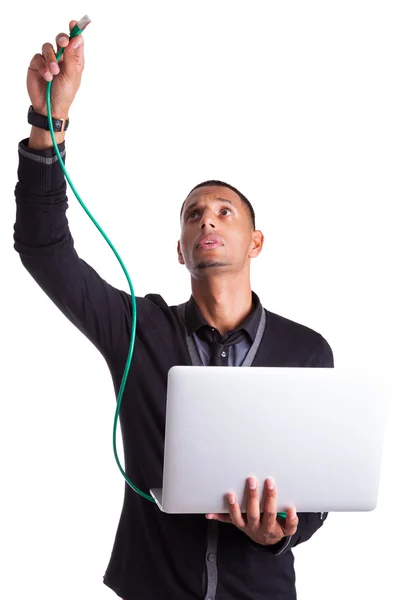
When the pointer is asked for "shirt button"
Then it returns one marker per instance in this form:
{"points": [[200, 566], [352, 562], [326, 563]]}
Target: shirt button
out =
{"points": [[211, 557], [223, 353]]}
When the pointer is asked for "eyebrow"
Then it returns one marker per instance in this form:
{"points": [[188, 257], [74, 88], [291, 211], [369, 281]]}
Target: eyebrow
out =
{"points": [[195, 203]]}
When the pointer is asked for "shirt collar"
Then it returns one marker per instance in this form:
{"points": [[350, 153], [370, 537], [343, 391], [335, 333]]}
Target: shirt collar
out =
{"points": [[195, 320]]}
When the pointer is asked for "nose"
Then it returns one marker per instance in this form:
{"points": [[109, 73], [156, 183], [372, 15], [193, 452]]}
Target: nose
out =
{"points": [[207, 219]]}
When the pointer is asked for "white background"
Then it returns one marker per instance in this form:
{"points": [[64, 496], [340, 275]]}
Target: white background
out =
{"points": [[297, 105]]}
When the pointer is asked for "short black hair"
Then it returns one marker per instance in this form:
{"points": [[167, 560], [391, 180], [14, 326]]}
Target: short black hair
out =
{"points": [[222, 183]]}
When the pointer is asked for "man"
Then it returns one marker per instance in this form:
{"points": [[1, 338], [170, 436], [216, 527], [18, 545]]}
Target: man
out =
{"points": [[155, 555]]}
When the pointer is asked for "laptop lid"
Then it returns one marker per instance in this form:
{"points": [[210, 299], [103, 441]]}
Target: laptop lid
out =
{"points": [[318, 432]]}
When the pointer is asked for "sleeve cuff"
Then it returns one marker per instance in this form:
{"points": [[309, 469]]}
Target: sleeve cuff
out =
{"points": [[40, 169], [48, 153], [275, 549]]}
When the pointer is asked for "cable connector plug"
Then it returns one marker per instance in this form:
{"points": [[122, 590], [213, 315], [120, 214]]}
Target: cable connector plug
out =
{"points": [[80, 26]]}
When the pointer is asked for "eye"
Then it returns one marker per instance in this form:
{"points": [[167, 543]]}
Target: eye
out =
{"points": [[226, 210], [191, 214]]}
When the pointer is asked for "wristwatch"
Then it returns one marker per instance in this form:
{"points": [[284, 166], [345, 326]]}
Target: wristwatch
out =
{"points": [[42, 121]]}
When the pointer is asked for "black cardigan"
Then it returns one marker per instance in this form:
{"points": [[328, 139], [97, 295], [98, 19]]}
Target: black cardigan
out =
{"points": [[155, 556]]}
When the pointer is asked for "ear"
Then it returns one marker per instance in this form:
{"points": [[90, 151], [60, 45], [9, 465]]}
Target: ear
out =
{"points": [[257, 241], [180, 255]]}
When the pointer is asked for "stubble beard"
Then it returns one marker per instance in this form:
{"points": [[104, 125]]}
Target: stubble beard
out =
{"points": [[211, 264]]}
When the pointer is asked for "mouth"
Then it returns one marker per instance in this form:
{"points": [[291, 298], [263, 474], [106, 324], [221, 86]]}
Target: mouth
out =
{"points": [[209, 242]]}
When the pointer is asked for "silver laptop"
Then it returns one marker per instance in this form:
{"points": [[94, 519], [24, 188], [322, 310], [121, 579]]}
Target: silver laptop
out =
{"points": [[318, 432]]}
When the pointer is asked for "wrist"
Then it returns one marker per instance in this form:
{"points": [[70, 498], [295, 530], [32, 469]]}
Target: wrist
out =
{"points": [[263, 540], [38, 120], [40, 139]]}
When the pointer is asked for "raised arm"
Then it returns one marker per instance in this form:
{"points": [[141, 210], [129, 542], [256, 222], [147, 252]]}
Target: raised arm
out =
{"points": [[41, 232]]}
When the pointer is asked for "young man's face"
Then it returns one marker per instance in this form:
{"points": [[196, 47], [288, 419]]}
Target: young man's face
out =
{"points": [[216, 232]]}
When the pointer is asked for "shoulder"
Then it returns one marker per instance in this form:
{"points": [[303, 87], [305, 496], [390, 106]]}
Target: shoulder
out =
{"points": [[152, 303], [298, 338], [291, 329], [152, 309]]}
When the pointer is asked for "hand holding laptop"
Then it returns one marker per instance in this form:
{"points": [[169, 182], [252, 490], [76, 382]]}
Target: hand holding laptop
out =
{"points": [[266, 529]]}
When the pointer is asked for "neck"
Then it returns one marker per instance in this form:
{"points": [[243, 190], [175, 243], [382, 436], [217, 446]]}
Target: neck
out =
{"points": [[224, 302]]}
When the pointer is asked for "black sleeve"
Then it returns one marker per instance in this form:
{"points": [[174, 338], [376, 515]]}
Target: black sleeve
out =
{"points": [[46, 248], [309, 523]]}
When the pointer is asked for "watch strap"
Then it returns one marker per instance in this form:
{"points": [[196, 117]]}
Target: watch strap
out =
{"points": [[42, 121]]}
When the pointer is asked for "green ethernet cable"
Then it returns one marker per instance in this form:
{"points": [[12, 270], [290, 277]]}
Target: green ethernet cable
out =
{"points": [[77, 30]]}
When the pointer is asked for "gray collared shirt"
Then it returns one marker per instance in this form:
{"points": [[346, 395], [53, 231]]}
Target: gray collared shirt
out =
{"points": [[235, 354]]}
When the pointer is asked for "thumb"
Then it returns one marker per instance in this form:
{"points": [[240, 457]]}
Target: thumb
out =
{"points": [[73, 56]]}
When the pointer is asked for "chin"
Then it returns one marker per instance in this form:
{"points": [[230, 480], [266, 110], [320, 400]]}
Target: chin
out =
{"points": [[210, 264]]}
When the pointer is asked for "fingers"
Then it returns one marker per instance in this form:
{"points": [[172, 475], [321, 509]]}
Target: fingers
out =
{"points": [[268, 530], [219, 517], [270, 505], [46, 63], [291, 522], [253, 503], [251, 519], [235, 512], [62, 41], [51, 67], [39, 64], [270, 524], [234, 517]]}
